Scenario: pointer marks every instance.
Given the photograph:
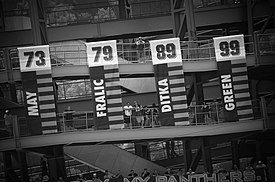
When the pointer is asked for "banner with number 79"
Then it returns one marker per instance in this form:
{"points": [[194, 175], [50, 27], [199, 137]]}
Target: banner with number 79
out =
{"points": [[102, 53]]}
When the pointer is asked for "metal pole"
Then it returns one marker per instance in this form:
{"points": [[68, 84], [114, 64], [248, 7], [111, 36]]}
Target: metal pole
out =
{"points": [[152, 116], [217, 111], [63, 122], [86, 120], [196, 114], [264, 113]]}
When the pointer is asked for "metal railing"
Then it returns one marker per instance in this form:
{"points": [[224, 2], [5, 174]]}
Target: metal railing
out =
{"points": [[80, 120], [74, 53], [207, 114]]}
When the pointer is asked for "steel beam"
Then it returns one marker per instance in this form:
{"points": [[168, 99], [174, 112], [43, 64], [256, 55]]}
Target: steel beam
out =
{"points": [[38, 22], [235, 153], [187, 154]]}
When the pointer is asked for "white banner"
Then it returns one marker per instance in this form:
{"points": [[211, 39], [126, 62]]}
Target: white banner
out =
{"points": [[165, 51], [34, 58], [229, 47], [102, 53]]}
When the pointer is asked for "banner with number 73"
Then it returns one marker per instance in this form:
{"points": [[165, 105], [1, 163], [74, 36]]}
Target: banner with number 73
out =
{"points": [[34, 58]]}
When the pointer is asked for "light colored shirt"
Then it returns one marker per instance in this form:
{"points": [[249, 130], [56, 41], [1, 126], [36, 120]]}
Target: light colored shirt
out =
{"points": [[128, 110]]}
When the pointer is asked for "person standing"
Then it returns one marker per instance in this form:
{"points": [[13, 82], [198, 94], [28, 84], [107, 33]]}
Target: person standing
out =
{"points": [[138, 112], [9, 122], [127, 115], [145, 173], [107, 175], [155, 115], [132, 174], [118, 175], [60, 179]]}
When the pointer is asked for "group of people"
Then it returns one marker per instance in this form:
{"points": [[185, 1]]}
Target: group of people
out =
{"points": [[94, 177], [138, 116]]}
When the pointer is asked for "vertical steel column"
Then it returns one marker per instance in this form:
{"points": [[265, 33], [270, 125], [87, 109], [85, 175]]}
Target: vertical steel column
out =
{"points": [[179, 18], [38, 22], [141, 149], [249, 9], [10, 174], [235, 153], [56, 162], [190, 20], [187, 154], [206, 155], [23, 165], [122, 9], [199, 97]]}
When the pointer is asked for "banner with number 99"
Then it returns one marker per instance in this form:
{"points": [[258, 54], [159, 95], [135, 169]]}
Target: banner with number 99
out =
{"points": [[34, 58], [229, 47], [102, 53], [165, 51]]}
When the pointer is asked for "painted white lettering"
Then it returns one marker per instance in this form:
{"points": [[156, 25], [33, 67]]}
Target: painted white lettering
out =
{"points": [[33, 110], [98, 83], [100, 99], [161, 179], [165, 102], [227, 91], [172, 179], [226, 78], [166, 108], [100, 102], [163, 82], [228, 99], [210, 177], [222, 177], [196, 177], [226, 85], [100, 107], [143, 180], [32, 104], [249, 175], [102, 92], [183, 179], [229, 106], [100, 114], [99, 88], [29, 95], [164, 95], [236, 176]]}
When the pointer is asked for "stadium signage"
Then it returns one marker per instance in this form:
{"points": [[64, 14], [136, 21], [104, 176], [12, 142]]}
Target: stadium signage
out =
{"points": [[102, 53], [233, 176], [229, 48], [100, 98], [165, 51], [32, 104], [227, 91], [164, 95], [34, 58]]}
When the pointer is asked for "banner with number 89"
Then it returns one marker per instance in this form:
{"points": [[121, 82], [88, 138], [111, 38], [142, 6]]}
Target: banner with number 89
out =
{"points": [[102, 53], [34, 58], [229, 47], [165, 51]]}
